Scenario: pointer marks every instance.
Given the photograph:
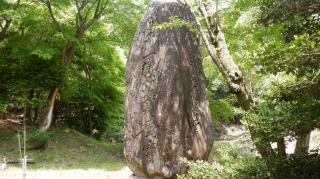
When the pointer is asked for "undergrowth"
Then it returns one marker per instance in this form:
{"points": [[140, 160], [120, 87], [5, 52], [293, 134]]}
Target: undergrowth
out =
{"points": [[67, 149]]}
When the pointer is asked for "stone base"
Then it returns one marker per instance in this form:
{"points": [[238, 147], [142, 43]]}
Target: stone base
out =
{"points": [[136, 177]]}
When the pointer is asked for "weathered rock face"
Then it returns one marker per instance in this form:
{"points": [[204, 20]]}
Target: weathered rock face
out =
{"points": [[166, 111]]}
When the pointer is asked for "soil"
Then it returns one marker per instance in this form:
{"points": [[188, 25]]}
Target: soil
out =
{"points": [[14, 123]]}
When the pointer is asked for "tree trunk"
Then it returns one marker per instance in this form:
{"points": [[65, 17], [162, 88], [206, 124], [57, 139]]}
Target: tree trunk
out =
{"points": [[28, 111], [235, 79], [47, 118], [237, 84], [224, 61], [90, 106], [82, 24], [166, 111], [281, 146], [36, 112], [36, 109], [302, 145], [90, 120]]}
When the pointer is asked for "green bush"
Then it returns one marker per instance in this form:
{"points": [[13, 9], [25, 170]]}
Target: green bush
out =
{"points": [[247, 167], [295, 166], [237, 161], [2, 105], [39, 135], [202, 169]]}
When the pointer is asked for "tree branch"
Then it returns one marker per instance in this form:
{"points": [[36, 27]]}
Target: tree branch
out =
{"points": [[48, 4], [3, 33], [97, 14], [90, 8], [207, 43], [309, 55], [97, 9], [205, 15], [82, 24], [4, 30], [224, 61]]}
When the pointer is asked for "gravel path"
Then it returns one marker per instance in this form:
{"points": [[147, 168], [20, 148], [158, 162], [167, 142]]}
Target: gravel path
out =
{"points": [[16, 173]]}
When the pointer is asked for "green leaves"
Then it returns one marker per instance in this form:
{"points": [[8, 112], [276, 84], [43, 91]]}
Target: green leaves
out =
{"points": [[221, 110], [40, 135], [175, 22], [44, 51], [234, 160], [296, 16], [201, 169], [69, 36]]}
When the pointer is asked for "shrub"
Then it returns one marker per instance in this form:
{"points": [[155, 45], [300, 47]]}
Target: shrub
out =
{"points": [[201, 169], [39, 135], [248, 167], [237, 161], [295, 166]]}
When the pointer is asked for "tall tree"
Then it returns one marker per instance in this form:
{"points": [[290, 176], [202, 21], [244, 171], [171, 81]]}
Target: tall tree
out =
{"points": [[224, 61], [10, 19], [27, 58], [92, 99], [299, 55], [37, 59], [82, 16], [86, 13]]}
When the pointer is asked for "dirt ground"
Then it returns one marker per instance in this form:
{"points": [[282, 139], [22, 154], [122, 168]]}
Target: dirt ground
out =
{"points": [[16, 173], [233, 132], [236, 132], [10, 123]]}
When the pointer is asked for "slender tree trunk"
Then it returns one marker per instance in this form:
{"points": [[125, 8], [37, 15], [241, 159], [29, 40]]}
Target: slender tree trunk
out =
{"points": [[90, 106], [90, 119], [235, 79], [237, 84], [36, 113], [303, 141], [47, 118], [82, 24], [36, 109], [281, 146], [28, 110], [224, 61], [88, 79]]}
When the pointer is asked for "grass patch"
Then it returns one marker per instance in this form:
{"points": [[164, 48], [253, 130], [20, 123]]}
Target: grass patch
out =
{"points": [[67, 149], [223, 148]]}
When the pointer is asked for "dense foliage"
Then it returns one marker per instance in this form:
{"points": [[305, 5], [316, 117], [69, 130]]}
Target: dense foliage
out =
{"points": [[68, 45], [76, 46], [276, 45], [237, 161], [290, 106]]}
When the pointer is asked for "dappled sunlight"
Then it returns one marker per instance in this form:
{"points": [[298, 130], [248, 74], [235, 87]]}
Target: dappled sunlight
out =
{"points": [[291, 143]]}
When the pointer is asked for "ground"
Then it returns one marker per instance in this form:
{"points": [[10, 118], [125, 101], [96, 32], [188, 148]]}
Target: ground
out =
{"points": [[239, 132], [16, 173], [71, 154]]}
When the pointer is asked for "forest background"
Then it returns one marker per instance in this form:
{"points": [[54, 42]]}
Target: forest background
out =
{"points": [[62, 64]]}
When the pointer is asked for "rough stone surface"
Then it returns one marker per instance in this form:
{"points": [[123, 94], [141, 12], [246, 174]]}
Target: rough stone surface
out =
{"points": [[166, 111]]}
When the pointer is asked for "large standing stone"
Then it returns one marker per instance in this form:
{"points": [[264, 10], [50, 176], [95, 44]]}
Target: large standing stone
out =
{"points": [[166, 111]]}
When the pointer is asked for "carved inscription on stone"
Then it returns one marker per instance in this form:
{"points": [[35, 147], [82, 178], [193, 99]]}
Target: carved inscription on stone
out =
{"points": [[166, 110]]}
